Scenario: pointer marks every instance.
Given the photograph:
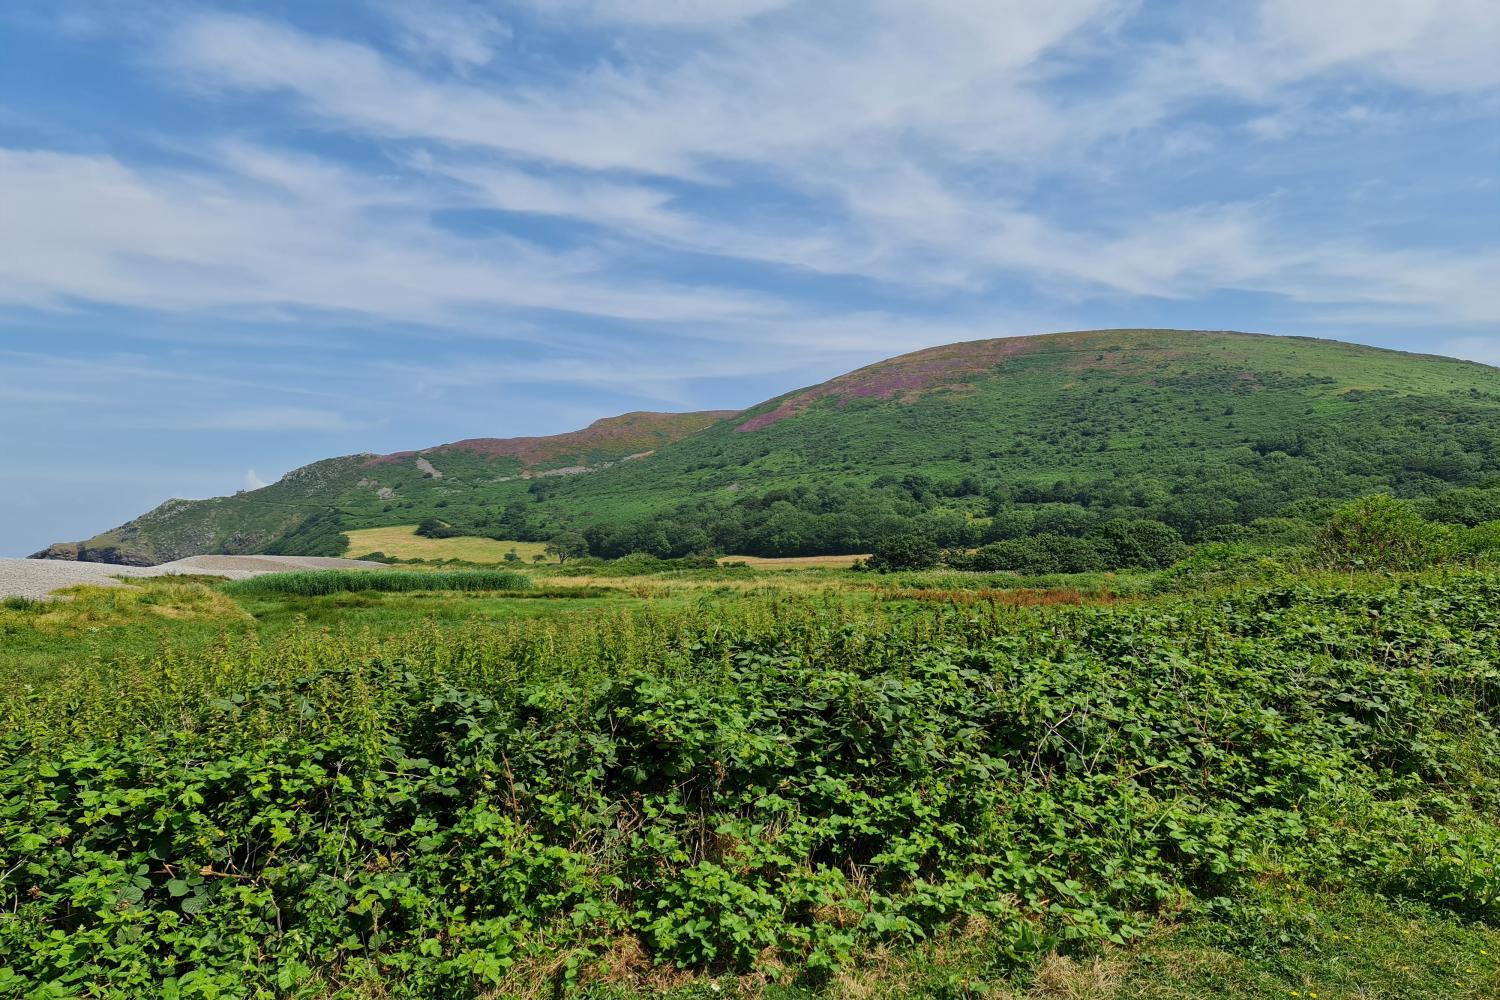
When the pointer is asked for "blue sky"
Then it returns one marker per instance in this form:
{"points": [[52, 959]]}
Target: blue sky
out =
{"points": [[239, 237]]}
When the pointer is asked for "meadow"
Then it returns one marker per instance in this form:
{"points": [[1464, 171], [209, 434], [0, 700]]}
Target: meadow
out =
{"points": [[723, 781], [403, 542]]}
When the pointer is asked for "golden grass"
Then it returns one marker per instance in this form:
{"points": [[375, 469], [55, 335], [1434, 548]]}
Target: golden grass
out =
{"points": [[403, 542], [796, 562], [90, 607]]}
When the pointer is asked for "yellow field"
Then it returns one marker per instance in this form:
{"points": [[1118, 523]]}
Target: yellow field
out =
{"points": [[403, 542], [796, 562]]}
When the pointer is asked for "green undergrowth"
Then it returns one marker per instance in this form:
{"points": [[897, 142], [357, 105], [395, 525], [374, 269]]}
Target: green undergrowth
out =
{"points": [[313, 583], [778, 795]]}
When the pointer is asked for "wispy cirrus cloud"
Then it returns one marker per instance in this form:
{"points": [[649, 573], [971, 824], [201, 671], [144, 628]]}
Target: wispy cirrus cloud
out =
{"points": [[269, 418], [917, 136], [378, 225], [289, 232], [460, 34]]}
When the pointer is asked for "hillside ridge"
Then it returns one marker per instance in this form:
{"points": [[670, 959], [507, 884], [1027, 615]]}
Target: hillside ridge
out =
{"points": [[943, 366], [643, 430], [1192, 429]]}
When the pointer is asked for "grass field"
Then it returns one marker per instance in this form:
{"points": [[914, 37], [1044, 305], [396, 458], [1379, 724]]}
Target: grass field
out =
{"points": [[781, 785], [403, 542]]}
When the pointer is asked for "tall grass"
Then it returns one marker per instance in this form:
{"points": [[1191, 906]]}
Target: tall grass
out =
{"points": [[318, 583]]}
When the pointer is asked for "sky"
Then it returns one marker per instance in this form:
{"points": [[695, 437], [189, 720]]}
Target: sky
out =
{"points": [[238, 237]]}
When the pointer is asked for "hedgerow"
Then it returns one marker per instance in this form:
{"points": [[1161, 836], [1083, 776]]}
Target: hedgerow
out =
{"points": [[317, 583], [793, 792]]}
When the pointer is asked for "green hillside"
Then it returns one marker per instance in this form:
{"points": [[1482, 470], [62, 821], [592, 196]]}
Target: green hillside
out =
{"points": [[1197, 430], [1208, 433], [305, 511]]}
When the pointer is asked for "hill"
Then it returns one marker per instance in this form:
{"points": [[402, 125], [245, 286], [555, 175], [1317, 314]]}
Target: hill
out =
{"points": [[1208, 433], [970, 442], [304, 512]]}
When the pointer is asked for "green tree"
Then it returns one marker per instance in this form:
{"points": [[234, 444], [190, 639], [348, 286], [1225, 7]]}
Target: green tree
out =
{"points": [[1149, 544], [1008, 523], [567, 545], [906, 551]]}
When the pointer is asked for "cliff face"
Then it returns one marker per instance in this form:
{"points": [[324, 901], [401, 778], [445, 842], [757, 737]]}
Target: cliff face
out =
{"points": [[81, 552]]}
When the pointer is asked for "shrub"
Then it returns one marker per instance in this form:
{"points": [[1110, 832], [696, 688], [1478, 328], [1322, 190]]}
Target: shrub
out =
{"points": [[637, 564], [1043, 553], [1381, 532], [1148, 544], [799, 789], [1062, 519], [904, 552], [431, 527], [1469, 506], [1480, 539]]}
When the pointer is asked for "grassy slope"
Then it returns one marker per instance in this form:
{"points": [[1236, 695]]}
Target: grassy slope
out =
{"points": [[1147, 412], [1137, 407], [306, 510]]}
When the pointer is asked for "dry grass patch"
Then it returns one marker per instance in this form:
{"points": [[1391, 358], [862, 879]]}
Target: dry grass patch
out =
{"points": [[155, 597], [1062, 978], [403, 542]]}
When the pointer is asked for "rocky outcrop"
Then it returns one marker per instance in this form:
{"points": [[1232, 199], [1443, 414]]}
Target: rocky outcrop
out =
{"points": [[66, 551], [79, 552]]}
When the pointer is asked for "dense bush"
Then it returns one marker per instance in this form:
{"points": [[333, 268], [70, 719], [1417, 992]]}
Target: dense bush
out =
{"points": [[720, 796], [1144, 544], [908, 551], [1035, 554], [319, 534], [1468, 507], [1379, 532]]}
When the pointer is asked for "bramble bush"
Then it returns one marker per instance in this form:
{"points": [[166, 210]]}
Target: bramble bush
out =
{"points": [[795, 789], [1381, 532]]}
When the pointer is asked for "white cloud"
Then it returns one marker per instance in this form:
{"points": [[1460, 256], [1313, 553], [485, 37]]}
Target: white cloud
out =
{"points": [[457, 33], [910, 143], [894, 122], [663, 13], [1441, 45], [853, 74], [290, 233]]}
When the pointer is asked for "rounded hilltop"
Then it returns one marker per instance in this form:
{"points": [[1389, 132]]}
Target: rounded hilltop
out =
{"points": [[1125, 352]]}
